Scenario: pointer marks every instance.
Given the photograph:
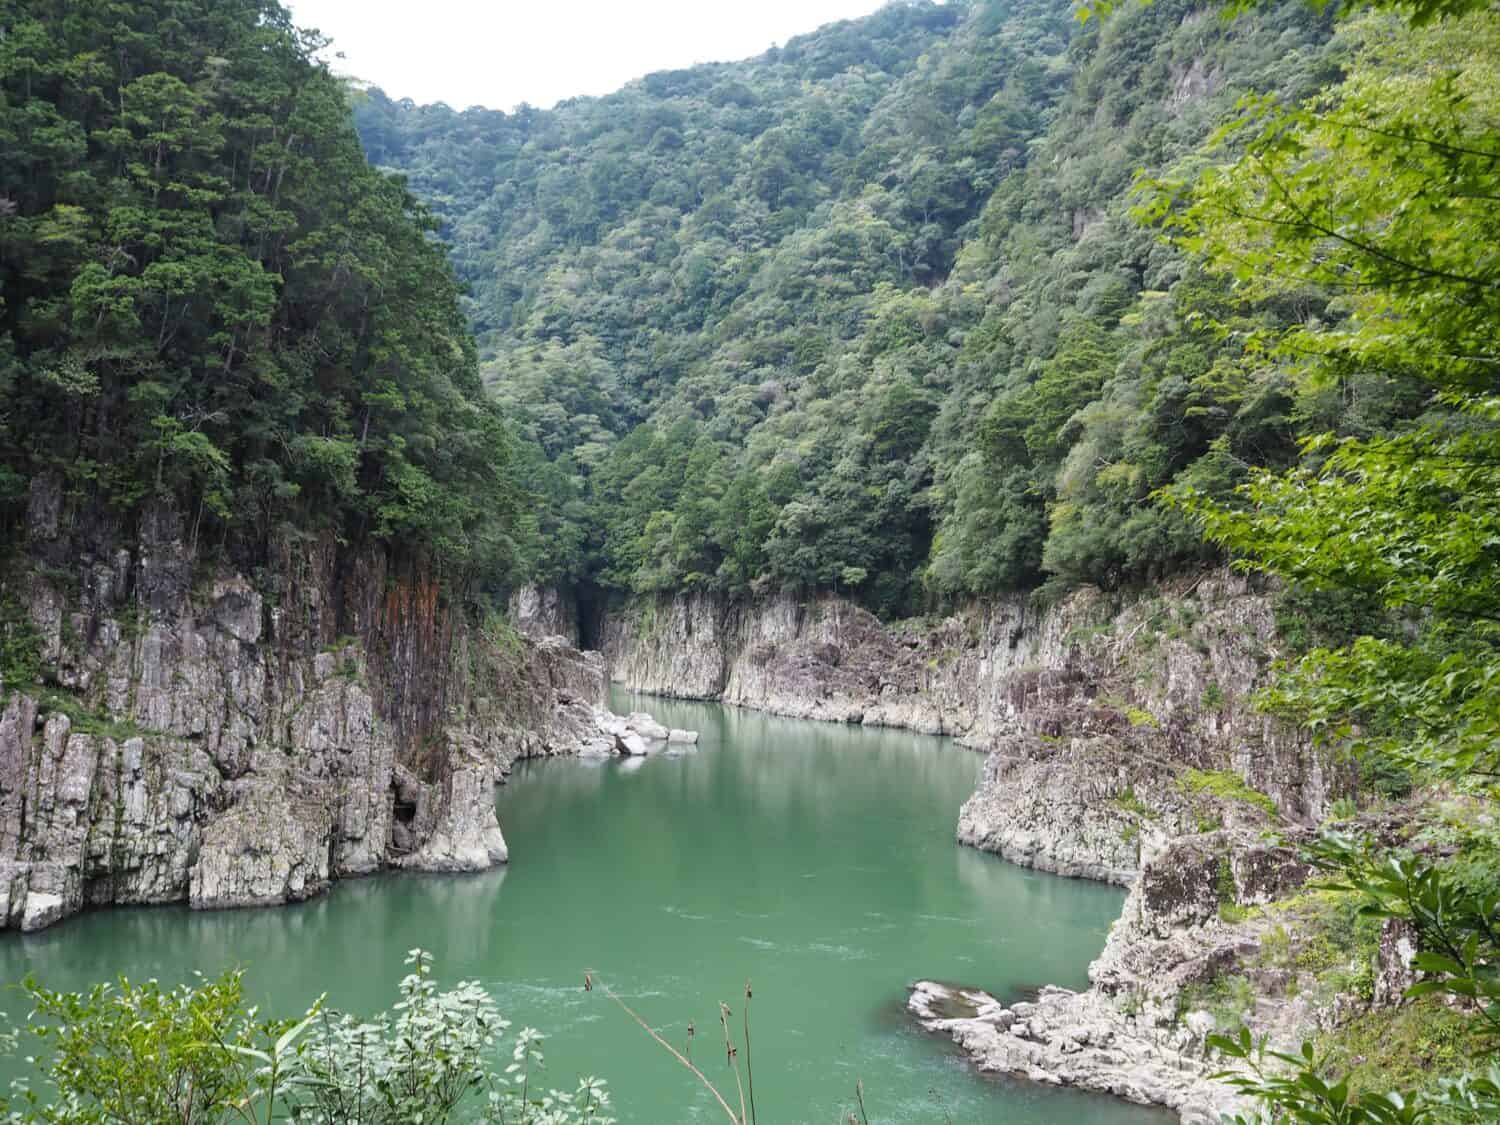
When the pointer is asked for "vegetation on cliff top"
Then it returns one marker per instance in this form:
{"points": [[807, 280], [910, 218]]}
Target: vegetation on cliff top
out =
{"points": [[209, 295]]}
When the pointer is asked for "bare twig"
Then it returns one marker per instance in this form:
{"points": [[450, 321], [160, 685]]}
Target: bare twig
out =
{"points": [[712, 1089], [749, 1070], [731, 1056]]}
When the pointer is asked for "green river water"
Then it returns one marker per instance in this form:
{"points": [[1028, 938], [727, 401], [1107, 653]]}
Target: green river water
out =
{"points": [[816, 860]]}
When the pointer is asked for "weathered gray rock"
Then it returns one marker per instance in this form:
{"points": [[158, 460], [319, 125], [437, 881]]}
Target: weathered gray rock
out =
{"points": [[1075, 1039], [1130, 1033], [227, 748], [630, 743], [647, 727], [598, 747], [467, 836], [1193, 82], [1393, 964], [636, 734], [1090, 806], [1169, 676], [270, 845], [545, 611]]}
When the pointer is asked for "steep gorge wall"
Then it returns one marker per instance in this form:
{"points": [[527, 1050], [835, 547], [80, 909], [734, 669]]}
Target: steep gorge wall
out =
{"points": [[200, 736], [1093, 709], [1123, 745]]}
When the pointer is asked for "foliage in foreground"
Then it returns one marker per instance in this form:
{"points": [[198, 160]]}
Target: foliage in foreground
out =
{"points": [[199, 1055]]}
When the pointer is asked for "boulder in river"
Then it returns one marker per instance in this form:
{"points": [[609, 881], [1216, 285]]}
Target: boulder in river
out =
{"points": [[688, 737], [602, 746], [646, 726]]}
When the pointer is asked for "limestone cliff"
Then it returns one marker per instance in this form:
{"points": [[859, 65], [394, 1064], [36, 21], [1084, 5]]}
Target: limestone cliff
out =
{"points": [[1094, 708], [545, 611], [229, 735]]}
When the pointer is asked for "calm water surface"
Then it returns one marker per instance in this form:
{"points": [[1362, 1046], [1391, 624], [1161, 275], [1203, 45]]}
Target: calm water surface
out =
{"points": [[818, 861]]}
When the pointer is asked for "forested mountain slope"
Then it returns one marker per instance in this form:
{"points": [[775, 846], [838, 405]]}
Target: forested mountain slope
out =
{"points": [[954, 301], [868, 312]]}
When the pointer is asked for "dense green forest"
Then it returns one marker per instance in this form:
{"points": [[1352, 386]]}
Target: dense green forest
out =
{"points": [[870, 312], [209, 295], [953, 300], [974, 298]]}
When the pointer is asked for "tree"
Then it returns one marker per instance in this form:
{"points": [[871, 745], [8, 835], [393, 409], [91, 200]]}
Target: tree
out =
{"points": [[1400, 229], [211, 299]]}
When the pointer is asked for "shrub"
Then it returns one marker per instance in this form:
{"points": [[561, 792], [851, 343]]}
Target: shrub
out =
{"points": [[1228, 999], [1213, 697], [1403, 1048], [1128, 801], [1226, 786], [21, 662], [134, 1052]]}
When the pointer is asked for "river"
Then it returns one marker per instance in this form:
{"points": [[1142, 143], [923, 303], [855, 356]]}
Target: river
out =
{"points": [[816, 861]]}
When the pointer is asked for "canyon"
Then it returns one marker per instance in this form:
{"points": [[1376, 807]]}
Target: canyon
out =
{"points": [[227, 738]]}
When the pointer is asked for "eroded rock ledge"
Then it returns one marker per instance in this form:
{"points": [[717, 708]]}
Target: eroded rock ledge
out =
{"points": [[1182, 660], [1085, 703], [1067, 1038]]}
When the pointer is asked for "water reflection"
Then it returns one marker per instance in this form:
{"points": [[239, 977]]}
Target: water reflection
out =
{"points": [[817, 860]]}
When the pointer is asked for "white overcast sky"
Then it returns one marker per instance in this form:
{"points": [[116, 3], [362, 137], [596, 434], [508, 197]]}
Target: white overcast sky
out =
{"points": [[503, 52]]}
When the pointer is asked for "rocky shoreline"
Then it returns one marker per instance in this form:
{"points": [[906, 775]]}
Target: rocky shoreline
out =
{"points": [[202, 737], [1122, 746], [1138, 1031], [1067, 1038]]}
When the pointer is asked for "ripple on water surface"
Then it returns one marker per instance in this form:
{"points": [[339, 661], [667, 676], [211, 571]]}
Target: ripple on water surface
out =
{"points": [[816, 860]]}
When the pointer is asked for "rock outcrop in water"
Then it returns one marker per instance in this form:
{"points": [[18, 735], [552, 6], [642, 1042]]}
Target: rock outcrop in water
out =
{"points": [[1064, 1038], [1207, 909], [235, 736]]}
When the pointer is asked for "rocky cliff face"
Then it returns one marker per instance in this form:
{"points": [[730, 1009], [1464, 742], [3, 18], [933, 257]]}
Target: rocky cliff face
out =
{"points": [[1124, 746], [545, 611], [203, 734], [1136, 1032], [1093, 708], [1218, 932]]}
